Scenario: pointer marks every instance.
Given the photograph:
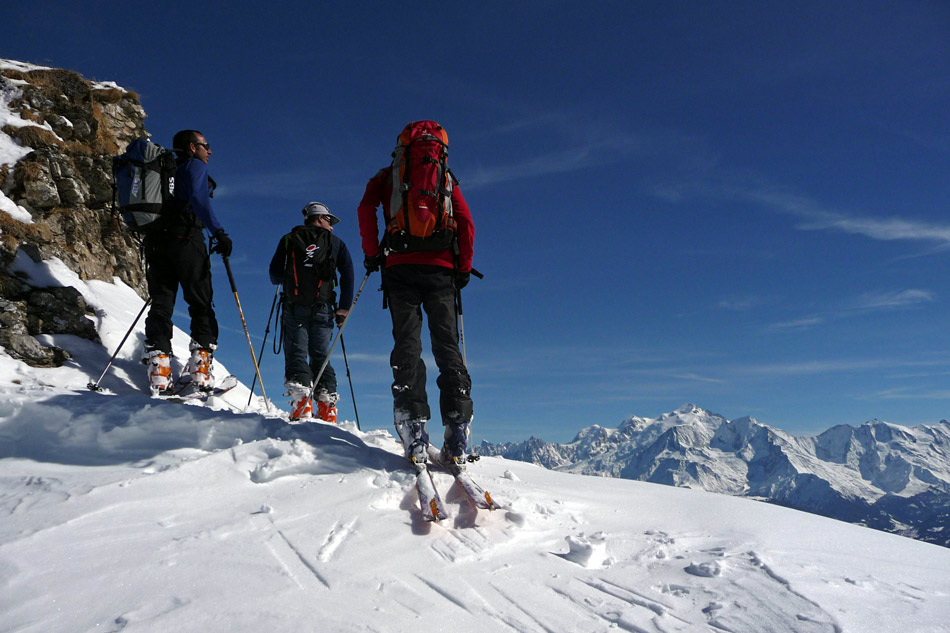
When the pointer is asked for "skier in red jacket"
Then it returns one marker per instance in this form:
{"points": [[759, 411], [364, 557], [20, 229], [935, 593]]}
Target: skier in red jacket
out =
{"points": [[414, 281]]}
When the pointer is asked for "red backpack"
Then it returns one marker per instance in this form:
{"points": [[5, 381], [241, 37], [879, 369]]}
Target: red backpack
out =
{"points": [[421, 206]]}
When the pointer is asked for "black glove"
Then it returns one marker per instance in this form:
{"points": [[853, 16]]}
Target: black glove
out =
{"points": [[461, 279], [372, 262], [221, 243], [340, 317]]}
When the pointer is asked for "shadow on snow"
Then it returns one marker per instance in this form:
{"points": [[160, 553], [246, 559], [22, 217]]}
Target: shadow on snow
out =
{"points": [[91, 429]]}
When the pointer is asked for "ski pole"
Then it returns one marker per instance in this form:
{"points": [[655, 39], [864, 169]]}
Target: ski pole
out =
{"points": [[263, 343], [458, 303], [237, 300], [473, 457], [94, 386], [339, 333], [458, 300], [350, 379]]}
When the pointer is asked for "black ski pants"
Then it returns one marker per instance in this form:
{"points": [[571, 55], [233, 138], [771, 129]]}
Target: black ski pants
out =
{"points": [[173, 259], [412, 288]]}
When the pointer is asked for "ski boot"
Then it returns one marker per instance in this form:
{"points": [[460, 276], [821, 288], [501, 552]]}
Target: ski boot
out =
{"points": [[415, 440], [455, 445], [326, 405], [159, 372], [301, 406], [199, 366]]}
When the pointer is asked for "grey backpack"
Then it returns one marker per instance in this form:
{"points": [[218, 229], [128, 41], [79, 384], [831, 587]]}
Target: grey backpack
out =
{"points": [[144, 185]]}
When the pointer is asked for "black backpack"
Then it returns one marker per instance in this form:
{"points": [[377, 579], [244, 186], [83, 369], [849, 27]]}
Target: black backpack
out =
{"points": [[144, 185], [310, 266]]}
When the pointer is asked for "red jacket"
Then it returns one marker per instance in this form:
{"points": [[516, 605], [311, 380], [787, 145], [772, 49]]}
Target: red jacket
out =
{"points": [[378, 192]]}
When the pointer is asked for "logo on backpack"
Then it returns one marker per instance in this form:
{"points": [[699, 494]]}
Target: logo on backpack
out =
{"points": [[144, 185], [310, 268], [420, 209]]}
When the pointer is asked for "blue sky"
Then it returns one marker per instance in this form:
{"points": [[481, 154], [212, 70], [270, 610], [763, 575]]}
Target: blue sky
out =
{"points": [[741, 205]]}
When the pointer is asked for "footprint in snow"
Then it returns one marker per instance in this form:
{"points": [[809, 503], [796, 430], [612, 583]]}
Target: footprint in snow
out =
{"points": [[712, 569], [589, 552]]}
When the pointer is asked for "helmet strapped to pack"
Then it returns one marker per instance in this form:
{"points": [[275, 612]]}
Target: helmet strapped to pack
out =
{"points": [[144, 182], [420, 210]]}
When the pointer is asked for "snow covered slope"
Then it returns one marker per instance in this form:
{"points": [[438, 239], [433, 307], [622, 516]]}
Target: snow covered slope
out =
{"points": [[878, 474], [123, 513]]}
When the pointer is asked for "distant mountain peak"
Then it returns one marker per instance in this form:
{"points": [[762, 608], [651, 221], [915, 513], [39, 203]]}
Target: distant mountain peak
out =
{"points": [[878, 474], [687, 409]]}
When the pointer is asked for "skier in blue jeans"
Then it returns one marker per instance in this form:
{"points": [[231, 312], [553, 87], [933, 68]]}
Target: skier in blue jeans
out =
{"points": [[307, 262]]}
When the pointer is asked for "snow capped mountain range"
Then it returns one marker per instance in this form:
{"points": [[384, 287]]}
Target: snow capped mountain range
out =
{"points": [[881, 475]]}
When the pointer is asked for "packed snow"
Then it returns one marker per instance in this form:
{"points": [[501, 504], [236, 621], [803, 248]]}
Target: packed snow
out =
{"points": [[126, 513]]}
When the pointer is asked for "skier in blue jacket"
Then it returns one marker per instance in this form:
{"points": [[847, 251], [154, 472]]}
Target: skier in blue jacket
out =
{"points": [[176, 255]]}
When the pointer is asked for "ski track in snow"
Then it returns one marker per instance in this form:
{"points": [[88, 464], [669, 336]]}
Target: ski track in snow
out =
{"points": [[335, 539], [282, 557]]}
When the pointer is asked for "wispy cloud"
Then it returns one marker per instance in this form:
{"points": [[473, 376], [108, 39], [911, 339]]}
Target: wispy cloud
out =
{"points": [[910, 394], [566, 158], [890, 300], [816, 217], [878, 301], [564, 142], [813, 215], [836, 365], [597, 363], [803, 323], [884, 229], [739, 304]]}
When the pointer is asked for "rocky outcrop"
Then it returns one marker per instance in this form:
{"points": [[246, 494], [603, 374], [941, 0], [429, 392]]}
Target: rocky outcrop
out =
{"points": [[62, 130]]}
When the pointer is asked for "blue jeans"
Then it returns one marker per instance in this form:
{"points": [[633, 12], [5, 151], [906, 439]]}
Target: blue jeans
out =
{"points": [[307, 332]]}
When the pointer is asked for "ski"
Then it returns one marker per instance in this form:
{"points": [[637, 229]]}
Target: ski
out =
{"points": [[226, 385], [429, 499], [479, 497]]}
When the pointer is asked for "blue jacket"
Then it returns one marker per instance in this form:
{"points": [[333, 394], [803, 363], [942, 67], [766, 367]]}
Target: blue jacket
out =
{"points": [[344, 267], [191, 186]]}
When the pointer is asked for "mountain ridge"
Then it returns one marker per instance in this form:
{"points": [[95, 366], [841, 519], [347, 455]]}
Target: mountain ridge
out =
{"points": [[878, 474]]}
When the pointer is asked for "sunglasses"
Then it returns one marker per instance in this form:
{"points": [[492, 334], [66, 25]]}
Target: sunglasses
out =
{"points": [[204, 145]]}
